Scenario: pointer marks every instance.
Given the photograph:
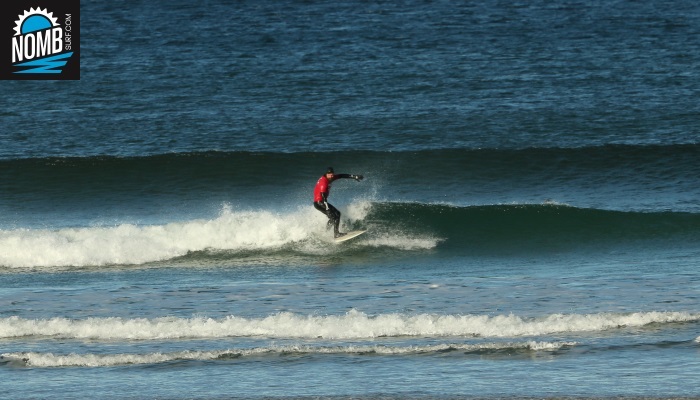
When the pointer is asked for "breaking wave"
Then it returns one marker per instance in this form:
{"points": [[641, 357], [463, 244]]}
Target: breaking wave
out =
{"points": [[35, 359], [398, 227], [353, 325]]}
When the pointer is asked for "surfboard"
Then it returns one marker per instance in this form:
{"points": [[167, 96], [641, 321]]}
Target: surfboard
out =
{"points": [[349, 236]]}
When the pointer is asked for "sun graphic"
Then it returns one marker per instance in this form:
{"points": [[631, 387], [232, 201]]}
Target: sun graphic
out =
{"points": [[34, 20]]}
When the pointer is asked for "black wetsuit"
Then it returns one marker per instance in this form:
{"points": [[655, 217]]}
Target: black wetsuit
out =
{"points": [[333, 216]]}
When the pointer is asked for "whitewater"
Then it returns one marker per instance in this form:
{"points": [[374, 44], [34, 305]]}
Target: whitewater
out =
{"points": [[48, 360], [353, 325], [233, 231]]}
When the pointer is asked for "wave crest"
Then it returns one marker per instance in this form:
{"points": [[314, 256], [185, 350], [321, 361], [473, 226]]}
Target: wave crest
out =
{"points": [[353, 325], [47, 360]]}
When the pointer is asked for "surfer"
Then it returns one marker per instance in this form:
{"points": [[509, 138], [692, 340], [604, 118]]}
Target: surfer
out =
{"points": [[321, 192]]}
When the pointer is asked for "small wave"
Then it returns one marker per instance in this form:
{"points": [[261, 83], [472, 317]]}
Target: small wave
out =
{"points": [[35, 359], [353, 325]]}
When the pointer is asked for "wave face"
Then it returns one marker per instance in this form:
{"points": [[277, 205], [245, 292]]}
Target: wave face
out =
{"points": [[395, 228], [623, 178], [537, 226]]}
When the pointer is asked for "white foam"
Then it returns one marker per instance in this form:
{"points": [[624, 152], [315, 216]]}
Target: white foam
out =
{"points": [[353, 325], [132, 244], [358, 210], [403, 242], [233, 230], [35, 359]]}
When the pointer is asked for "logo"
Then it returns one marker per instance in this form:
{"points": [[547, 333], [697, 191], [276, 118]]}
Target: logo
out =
{"points": [[44, 43]]}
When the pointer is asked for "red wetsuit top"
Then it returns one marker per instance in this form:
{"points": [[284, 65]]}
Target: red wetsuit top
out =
{"points": [[322, 186]]}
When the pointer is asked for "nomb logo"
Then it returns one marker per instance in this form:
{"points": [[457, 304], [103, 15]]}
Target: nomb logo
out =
{"points": [[44, 43]]}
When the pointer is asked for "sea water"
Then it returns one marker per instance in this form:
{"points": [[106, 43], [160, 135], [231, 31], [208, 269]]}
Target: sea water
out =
{"points": [[531, 198]]}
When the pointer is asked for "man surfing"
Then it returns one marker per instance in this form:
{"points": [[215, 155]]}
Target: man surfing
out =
{"points": [[321, 192]]}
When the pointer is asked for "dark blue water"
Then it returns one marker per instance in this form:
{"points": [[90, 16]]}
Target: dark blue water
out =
{"points": [[530, 194], [289, 76]]}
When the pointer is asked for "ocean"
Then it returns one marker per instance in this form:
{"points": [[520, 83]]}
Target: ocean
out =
{"points": [[531, 198]]}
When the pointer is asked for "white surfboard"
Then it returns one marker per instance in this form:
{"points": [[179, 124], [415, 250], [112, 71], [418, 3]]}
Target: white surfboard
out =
{"points": [[349, 236]]}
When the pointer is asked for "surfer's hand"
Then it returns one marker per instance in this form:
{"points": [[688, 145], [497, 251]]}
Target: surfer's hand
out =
{"points": [[358, 177], [326, 204]]}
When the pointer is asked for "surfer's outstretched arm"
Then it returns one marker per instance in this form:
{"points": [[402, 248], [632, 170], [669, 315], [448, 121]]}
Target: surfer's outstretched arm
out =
{"points": [[349, 176]]}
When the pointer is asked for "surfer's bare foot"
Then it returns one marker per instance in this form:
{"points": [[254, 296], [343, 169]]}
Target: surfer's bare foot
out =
{"points": [[339, 234]]}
